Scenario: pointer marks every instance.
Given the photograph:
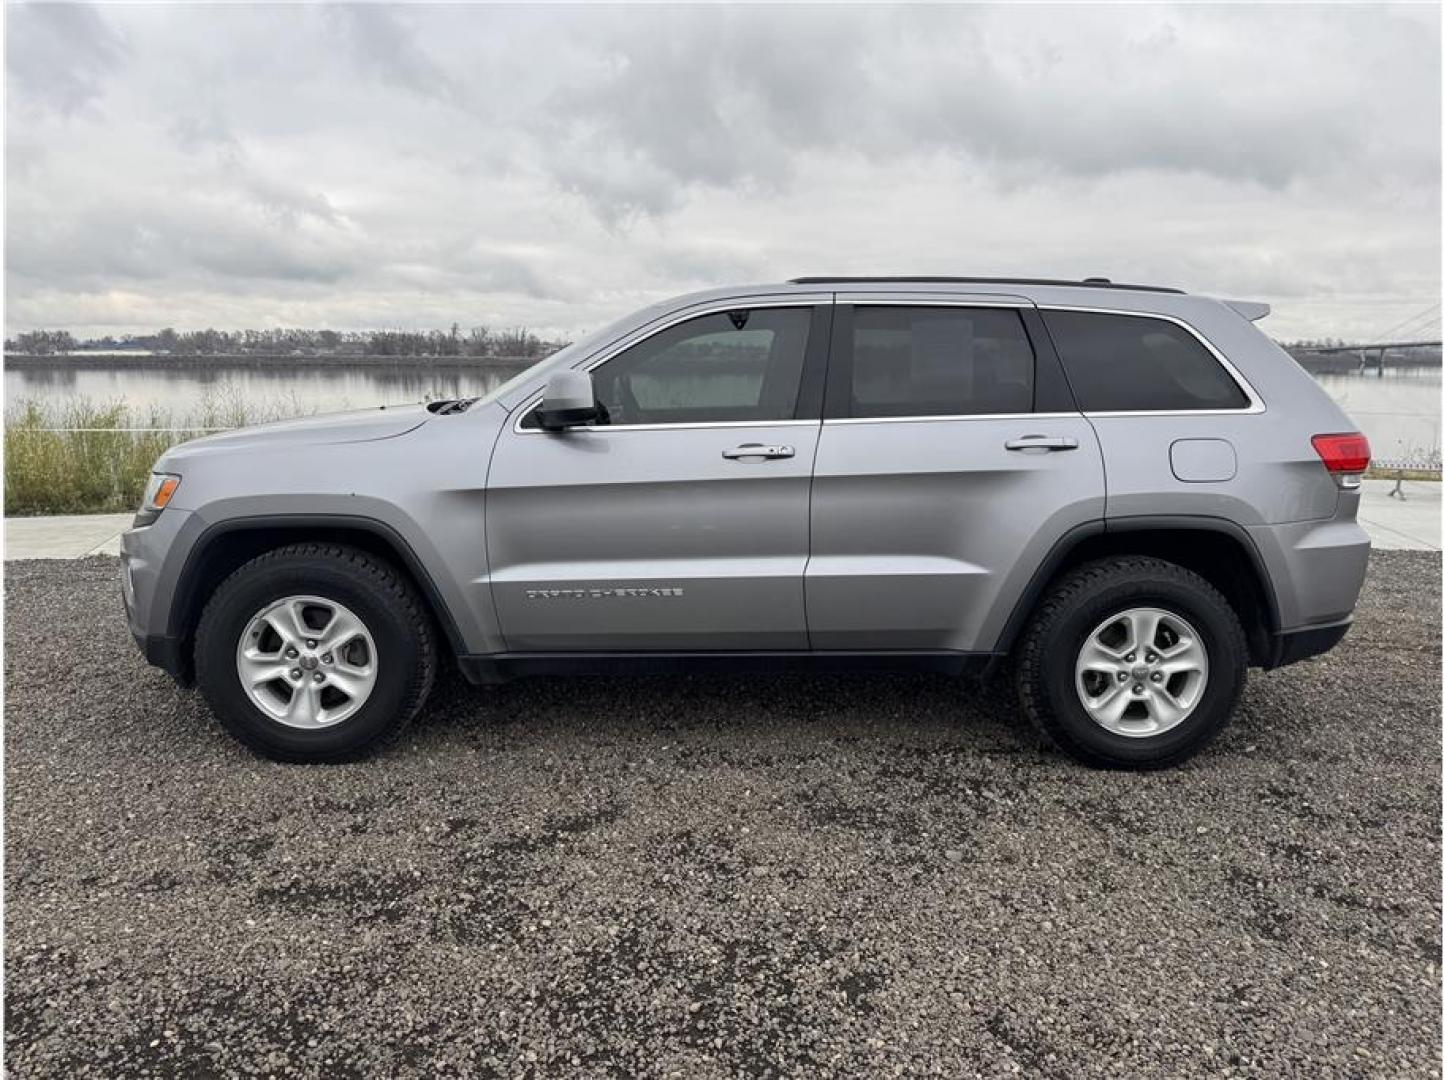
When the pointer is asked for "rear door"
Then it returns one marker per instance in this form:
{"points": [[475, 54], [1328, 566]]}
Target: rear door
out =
{"points": [[680, 524], [951, 459]]}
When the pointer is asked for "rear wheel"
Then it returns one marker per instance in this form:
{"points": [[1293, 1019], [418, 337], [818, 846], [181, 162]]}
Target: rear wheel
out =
{"points": [[1132, 662], [315, 652]]}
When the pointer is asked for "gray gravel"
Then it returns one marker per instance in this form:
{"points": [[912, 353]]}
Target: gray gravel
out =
{"points": [[706, 877]]}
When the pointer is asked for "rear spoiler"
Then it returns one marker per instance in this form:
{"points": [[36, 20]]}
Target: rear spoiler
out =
{"points": [[1252, 310]]}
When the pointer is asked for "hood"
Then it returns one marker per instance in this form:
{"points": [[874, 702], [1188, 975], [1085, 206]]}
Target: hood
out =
{"points": [[362, 425]]}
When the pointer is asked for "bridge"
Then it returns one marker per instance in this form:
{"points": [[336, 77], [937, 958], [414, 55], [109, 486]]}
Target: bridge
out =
{"points": [[1374, 354], [1374, 345]]}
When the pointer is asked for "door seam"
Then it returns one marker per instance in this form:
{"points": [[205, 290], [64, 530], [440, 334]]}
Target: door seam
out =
{"points": [[812, 472]]}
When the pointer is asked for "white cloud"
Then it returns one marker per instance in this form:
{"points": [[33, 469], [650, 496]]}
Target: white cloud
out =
{"points": [[365, 166]]}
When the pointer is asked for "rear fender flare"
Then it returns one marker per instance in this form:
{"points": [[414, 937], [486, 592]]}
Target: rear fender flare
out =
{"points": [[1068, 543]]}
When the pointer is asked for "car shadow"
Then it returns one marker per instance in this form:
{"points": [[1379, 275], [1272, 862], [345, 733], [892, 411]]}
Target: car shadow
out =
{"points": [[917, 707]]}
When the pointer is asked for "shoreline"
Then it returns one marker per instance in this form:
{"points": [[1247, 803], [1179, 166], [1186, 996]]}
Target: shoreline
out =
{"points": [[194, 361], [1348, 363], [1334, 364]]}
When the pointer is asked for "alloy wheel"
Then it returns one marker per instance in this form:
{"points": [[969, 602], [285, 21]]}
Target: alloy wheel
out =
{"points": [[306, 661], [1141, 672]]}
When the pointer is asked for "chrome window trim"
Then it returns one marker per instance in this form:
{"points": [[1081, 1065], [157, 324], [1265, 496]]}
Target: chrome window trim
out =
{"points": [[605, 428], [1255, 402], [614, 350], [954, 416]]}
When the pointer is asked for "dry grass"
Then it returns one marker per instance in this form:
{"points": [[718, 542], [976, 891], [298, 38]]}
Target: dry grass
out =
{"points": [[83, 458]]}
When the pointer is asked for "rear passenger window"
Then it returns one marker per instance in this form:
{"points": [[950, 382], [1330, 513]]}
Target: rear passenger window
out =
{"points": [[1130, 363], [942, 361]]}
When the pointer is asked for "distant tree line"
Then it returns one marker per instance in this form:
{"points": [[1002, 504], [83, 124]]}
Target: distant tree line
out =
{"points": [[478, 341], [1305, 344], [42, 342], [1312, 343]]}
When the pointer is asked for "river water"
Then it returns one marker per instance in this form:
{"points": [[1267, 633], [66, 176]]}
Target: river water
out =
{"points": [[1399, 409], [264, 390]]}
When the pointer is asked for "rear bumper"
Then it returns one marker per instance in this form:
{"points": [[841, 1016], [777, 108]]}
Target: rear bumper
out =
{"points": [[1291, 646], [1316, 568]]}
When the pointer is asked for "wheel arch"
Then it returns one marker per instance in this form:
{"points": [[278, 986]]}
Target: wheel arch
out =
{"points": [[1218, 550], [227, 545]]}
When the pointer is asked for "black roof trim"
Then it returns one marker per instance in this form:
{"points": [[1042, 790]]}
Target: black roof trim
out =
{"points": [[1087, 283]]}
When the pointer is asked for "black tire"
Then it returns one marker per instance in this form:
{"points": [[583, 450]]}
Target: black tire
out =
{"points": [[1084, 598], [372, 589]]}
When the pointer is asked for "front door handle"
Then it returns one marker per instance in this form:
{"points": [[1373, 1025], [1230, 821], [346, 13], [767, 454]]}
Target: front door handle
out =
{"points": [[1041, 442], [758, 450]]}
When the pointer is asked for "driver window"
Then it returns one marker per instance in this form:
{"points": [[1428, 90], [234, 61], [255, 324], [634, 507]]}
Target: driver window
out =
{"points": [[732, 366]]}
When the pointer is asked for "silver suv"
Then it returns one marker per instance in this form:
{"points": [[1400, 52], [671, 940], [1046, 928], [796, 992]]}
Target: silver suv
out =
{"points": [[1123, 495]]}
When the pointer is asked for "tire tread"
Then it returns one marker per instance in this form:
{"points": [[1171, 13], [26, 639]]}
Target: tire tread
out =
{"points": [[388, 585], [1089, 579]]}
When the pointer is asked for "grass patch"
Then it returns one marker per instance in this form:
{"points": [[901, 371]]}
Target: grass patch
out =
{"points": [[83, 458]]}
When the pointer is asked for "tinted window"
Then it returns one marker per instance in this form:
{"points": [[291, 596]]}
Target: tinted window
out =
{"points": [[1126, 362], [738, 365], [944, 361]]}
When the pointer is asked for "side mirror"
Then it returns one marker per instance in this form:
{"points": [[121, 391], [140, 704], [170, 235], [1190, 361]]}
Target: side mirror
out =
{"points": [[568, 401]]}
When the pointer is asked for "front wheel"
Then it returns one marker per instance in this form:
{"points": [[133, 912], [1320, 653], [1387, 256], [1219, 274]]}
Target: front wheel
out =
{"points": [[315, 652], [1132, 662]]}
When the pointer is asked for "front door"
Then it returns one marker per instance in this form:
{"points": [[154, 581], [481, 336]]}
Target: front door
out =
{"points": [[680, 522], [951, 459]]}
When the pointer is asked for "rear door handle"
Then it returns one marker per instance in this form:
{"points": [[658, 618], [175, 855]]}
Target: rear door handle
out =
{"points": [[758, 450], [1041, 442]]}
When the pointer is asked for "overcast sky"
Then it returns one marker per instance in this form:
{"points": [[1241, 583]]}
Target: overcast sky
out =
{"points": [[368, 166]]}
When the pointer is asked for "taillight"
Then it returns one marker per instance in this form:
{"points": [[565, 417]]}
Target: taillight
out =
{"points": [[1343, 455]]}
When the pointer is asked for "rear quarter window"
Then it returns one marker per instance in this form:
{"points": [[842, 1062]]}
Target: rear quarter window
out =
{"points": [[1133, 363]]}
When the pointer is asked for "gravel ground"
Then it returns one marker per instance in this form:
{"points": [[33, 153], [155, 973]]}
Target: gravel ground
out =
{"points": [[706, 877]]}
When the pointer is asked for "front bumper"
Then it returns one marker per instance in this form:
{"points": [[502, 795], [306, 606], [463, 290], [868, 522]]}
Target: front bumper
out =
{"points": [[143, 554], [169, 654]]}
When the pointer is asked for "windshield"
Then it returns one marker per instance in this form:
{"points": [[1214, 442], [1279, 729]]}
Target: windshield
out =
{"points": [[501, 390], [561, 358]]}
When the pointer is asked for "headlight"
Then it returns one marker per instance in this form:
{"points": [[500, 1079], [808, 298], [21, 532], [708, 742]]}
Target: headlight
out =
{"points": [[157, 495]]}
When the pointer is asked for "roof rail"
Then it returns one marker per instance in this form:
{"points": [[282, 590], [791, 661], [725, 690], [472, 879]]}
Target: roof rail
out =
{"points": [[1086, 283]]}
